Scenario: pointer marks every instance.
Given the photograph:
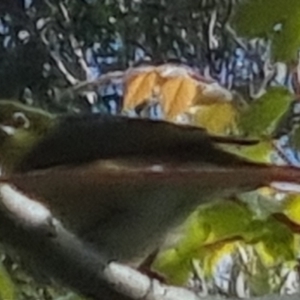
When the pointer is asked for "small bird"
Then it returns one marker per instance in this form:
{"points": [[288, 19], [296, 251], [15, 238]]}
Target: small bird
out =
{"points": [[21, 126], [122, 184]]}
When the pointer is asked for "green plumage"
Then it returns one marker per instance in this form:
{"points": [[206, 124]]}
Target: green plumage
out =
{"points": [[21, 126]]}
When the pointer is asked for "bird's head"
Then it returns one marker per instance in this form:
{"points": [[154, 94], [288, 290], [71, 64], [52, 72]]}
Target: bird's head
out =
{"points": [[21, 126]]}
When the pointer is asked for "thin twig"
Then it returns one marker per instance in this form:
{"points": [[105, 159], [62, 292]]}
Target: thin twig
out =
{"points": [[212, 41], [56, 57], [75, 44], [269, 73], [69, 77]]}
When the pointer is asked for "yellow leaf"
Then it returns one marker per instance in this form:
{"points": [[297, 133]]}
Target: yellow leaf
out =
{"points": [[291, 208], [177, 88], [217, 117], [266, 257]]}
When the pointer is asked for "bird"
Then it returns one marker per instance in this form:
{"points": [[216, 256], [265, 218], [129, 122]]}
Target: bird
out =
{"points": [[21, 126], [122, 184]]}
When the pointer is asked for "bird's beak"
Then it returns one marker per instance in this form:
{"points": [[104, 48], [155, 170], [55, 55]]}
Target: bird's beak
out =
{"points": [[9, 130]]}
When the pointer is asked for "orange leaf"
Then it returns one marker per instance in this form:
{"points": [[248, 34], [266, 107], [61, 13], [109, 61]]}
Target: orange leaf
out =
{"points": [[176, 87], [139, 88], [178, 94]]}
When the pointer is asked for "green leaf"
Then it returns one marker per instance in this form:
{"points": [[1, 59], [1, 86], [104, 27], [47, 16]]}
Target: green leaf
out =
{"points": [[7, 288], [260, 152], [216, 230], [264, 114], [257, 18], [276, 241], [209, 224], [286, 42]]}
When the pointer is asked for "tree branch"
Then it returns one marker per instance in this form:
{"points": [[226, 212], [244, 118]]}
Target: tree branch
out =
{"points": [[30, 228], [75, 44]]}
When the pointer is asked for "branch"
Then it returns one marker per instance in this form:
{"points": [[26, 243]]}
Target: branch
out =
{"points": [[239, 41], [69, 77], [114, 77], [29, 226], [212, 41], [269, 73], [56, 57], [75, 44], [51, 43]]}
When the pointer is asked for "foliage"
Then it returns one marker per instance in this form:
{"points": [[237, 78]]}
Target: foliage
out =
{"points": [[177, 89], [277, 20], [209, 237], [51, 51], [264, 114], [7, 289]]}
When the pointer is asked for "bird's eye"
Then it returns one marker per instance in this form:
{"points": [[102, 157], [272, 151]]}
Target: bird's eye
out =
{"points": [[20, 120]]}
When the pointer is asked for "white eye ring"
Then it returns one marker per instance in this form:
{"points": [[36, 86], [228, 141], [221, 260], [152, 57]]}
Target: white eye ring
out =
{"points": [[19, 116]]}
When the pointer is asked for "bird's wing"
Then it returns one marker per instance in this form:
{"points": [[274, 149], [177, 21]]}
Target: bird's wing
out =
{"points": [[80, 139], [113, 203], [87, 188]]}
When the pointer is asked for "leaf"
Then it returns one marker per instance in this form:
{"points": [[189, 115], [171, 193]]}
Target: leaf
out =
{"points": [[216, 230], [263, 115], [258, 18], [174, 267], [208, 225], [261, 152], [291, 207], [286, 42], [7, 288], [178, 95], [261, 202], [139, 87], [176, 88], [217, 117], [212, 254], [275, 241]]}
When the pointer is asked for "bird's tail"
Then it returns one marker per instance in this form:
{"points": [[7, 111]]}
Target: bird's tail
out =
{"points": [[283, 177]]}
